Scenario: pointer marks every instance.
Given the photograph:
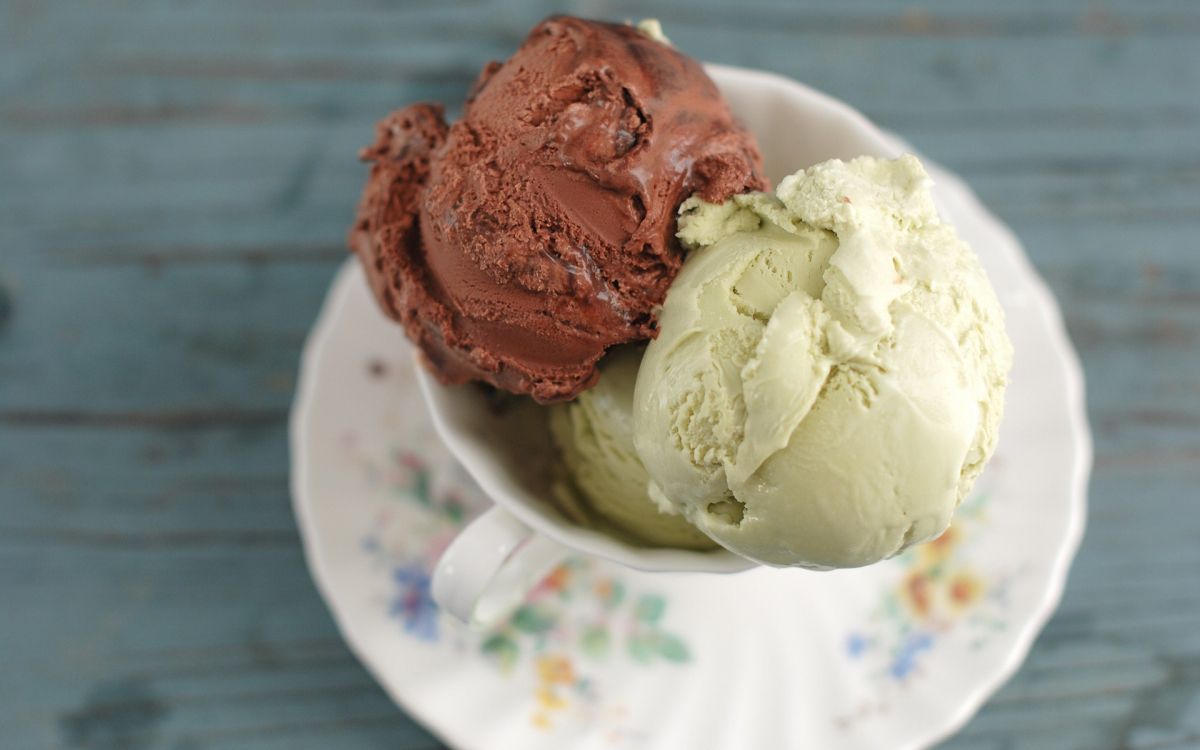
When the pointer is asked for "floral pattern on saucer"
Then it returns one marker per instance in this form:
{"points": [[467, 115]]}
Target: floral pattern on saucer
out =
{"points": [[939, 590], [578, 617], [582, 615]]}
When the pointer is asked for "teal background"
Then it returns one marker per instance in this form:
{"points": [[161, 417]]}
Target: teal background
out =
{"points": [[176, 178]]}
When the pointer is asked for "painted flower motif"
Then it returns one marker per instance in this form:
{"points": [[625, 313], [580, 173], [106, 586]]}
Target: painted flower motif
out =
{"points": [[964, 589], [413, 603], [939, 549], [939, 587], [936, 592], [555, 583], [857, 644], [555, 669], [555, 676], [915, 592], [549, 700], [609, 592], [576, 617], [904, 662]]}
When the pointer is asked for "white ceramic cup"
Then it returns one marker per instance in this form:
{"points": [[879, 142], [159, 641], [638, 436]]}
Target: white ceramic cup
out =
{"points": [[500, 556]]}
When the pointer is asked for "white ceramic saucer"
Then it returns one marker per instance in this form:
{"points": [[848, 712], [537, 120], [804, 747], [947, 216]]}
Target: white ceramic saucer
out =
{"points": [[897, 655]]}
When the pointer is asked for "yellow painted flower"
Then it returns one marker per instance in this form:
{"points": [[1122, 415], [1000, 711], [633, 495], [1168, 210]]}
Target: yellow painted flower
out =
{"points": [[555, 670], [550, 700], [964, 589], [915, 592], [939, 550]]}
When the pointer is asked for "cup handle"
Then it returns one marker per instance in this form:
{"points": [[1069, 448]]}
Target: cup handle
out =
{"points": [[491, 565]]}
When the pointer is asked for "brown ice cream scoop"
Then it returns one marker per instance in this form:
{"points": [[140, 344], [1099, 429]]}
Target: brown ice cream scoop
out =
{"points": [[518, 244]]}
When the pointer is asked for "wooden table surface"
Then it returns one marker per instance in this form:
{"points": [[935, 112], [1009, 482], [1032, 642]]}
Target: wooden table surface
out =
{"points": [[176, 177]]}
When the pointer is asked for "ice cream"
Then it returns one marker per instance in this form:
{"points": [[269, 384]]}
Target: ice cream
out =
{"points": [[829, 374], [605, 484], [520, 243]]}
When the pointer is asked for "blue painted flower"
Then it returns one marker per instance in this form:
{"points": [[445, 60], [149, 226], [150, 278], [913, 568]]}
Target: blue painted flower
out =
{"points": [[906, 656], [413, 603], [856, 644]]}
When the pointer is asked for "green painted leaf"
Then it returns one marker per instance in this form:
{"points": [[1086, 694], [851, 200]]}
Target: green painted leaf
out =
{"points": [[616, 595], [531, 619], [502, 648], [649, 608], [671, 648], [454, 510], [595, 641], [643, 646], [421, 486]]}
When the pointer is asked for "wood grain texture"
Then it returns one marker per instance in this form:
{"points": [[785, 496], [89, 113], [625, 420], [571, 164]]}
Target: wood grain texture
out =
{"points": [[175, 182]]}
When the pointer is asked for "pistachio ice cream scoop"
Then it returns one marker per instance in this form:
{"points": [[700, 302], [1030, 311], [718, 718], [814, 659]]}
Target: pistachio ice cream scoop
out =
{"points": [[829, 374], [606, 485]]}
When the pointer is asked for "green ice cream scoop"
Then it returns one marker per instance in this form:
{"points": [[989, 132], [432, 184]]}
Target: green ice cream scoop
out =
{"points": [[830, 369], [606, 484]]}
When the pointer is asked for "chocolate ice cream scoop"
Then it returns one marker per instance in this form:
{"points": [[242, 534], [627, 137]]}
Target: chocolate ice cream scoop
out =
{"points": [[521, 242]]}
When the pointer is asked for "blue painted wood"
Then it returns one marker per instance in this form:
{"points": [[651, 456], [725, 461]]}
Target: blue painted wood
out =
{"points": [[175, 183]]}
